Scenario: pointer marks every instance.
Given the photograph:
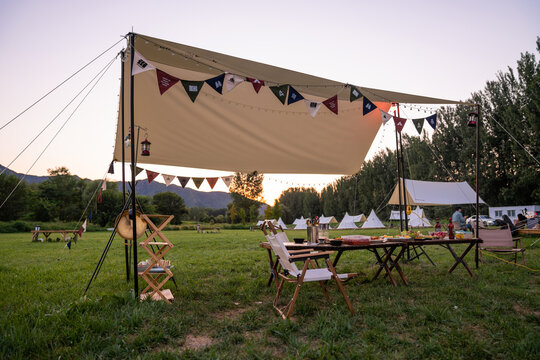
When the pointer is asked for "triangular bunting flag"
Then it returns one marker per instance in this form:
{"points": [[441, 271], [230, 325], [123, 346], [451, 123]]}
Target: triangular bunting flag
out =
{"points": [[280, 92], [385, 116], [183, 180], [168, 179], [232, 80], [400, 123], [418, 124], [138, 170], [83, 227], [216, 83], [355, 94], [257, 84], [104, 185], [294, 96], [313, 107], [90, 215], [165, 81], [332, 104], [192, 88], [432, 120], [99, 198], [227, 180], [111, 168], [151, 175], [368, 106], [197, 181], [212, 181], [140, 64], [69, 245]]}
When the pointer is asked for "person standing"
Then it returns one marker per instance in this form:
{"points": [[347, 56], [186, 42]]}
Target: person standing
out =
{"points": [[459, 220]]}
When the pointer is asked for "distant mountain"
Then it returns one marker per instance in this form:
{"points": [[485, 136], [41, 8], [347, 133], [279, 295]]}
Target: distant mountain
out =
{"points": [[192, 198]]}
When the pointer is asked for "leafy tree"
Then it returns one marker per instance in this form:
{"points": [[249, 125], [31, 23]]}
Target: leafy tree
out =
{"points": [[246, 191], [63, 193], [109, 208], [170, 203], [18, 203], [198, 214]]}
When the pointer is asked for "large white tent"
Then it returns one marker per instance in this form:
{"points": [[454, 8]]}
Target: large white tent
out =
{"points": [[394, 215], [359, 218], [347, 222], [302, 225], [435, 193], [297, 221], [327, 220], [373, 221]]}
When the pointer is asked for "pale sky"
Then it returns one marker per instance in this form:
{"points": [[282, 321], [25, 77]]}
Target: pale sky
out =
{"points": [[444, 49]]}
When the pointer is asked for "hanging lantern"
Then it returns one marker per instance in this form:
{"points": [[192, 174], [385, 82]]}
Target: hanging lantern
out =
{"points": [[473, 119], [145, 145]]}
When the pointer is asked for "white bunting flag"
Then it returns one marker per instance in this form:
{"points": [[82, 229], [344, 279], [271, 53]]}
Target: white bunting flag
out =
{"points": [[385, 117], [168, 179], [227, 180], [84, 226], [140, 64], [231, 80], [104, 185], [313, 107]]}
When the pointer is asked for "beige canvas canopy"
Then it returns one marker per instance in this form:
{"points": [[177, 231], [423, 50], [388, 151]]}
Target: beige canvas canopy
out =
{"points": [[241, 130]]}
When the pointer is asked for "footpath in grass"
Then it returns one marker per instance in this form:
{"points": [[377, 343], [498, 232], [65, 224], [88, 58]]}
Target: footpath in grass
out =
{"points": [[223, 308]]}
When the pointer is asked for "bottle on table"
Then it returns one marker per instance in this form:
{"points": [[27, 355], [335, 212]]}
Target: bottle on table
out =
{"points": [[437, 226], [450, 229]]}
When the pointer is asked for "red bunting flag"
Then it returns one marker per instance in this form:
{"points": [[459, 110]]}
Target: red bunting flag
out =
{"points": [[183, 180], [400, 123], [332, 104], [99, 198], [151, 175], [165, 81], [257, 84], [212, 181]]}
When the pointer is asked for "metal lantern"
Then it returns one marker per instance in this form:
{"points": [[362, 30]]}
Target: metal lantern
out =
{"points": [[473, 119], [145, 145]]}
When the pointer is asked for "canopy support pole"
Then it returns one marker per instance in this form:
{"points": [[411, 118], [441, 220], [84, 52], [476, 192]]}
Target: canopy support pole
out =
{"points": [[399, 182], [403, 177], [133, 165], [126, 247], [477, 181]]}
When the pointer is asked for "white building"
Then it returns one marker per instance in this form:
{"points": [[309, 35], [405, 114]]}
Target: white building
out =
{"points": [[497, 212]]}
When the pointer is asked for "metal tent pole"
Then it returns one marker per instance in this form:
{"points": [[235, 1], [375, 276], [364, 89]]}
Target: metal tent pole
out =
{"points": [[477, 181], [133, 164], [399, 181], [126, 247], [403, 176]]}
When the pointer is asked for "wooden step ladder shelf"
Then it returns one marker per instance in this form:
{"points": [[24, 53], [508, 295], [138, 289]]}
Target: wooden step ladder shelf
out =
{"points": [[156, 274]]}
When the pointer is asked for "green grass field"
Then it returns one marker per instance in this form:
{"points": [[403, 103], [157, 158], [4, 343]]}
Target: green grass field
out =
{"points": [[223, 308]]}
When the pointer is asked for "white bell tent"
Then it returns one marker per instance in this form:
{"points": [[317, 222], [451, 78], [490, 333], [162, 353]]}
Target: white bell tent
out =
{"points": [[347, 222], [298, 221], [359, 218], [373, 222], [281, 223], [418, 218]]}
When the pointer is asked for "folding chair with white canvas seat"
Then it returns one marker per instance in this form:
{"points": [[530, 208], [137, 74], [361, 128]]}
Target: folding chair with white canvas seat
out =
{"points": [[290, 273]]}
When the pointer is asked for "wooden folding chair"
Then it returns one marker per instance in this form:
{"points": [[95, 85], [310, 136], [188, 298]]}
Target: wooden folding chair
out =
{"points": [[291, 274], [501, 242]]}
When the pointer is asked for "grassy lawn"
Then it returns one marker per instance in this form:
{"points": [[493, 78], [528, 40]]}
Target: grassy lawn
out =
{"points": [[223, 308]]}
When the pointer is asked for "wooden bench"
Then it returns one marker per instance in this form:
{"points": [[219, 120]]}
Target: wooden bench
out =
{"points": [[47, 234]]}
